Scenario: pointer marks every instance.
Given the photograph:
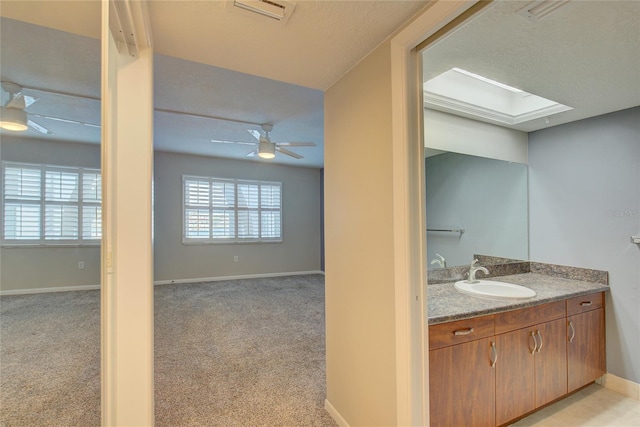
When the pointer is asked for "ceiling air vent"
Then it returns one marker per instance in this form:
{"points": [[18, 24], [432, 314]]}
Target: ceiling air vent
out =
{"points": [[276, 10], [540, 9]]}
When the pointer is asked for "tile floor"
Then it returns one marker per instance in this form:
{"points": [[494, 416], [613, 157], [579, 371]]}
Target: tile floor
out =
{"points": [[594, 406]]}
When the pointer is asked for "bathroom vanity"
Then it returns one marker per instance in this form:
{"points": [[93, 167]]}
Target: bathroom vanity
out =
{"points": [[493, 361]]}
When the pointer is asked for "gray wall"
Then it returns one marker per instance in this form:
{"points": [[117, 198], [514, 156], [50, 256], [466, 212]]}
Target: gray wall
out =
{"points": [[585, 204], [23, 268], [48, 267], [299, 250], [486, 197]]}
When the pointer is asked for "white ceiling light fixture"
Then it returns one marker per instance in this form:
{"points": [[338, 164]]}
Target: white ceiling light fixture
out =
{"points": [[278, 11], [13, 119], [12, 114], [471, 95], [266, 149], [540, 9]]}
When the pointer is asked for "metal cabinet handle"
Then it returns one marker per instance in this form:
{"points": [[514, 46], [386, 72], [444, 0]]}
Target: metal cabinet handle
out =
{"points": [[463, 331], [585, 303], [540, 336], [535, 342], [494, 354], [573, 331]]}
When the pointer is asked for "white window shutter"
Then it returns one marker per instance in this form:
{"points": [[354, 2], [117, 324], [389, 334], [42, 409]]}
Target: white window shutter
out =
{"points": [[50, 204], [220, 210]]}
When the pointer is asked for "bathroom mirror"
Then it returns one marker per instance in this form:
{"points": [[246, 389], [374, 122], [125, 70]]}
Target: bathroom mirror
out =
{"points": [[474, 205]]}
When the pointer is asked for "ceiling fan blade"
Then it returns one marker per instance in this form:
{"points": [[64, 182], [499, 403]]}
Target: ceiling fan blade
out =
{"points": [[28, 100], [218, 141], [39, 128], [253, 153], [288, 153], [297, 144], [58, 119], [255, 133]]}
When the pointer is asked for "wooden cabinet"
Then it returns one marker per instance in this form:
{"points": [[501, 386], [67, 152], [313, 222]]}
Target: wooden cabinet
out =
{"points": [[462, 378], [551, 362], [490, 370], [514, 376], [586, 358], [532, 370], [463, 392]]}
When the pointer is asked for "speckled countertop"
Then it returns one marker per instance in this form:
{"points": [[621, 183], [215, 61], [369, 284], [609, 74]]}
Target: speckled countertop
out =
{"points": [[447, 304]]}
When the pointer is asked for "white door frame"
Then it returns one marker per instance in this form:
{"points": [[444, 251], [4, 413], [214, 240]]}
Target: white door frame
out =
{"points": [[412, 367]]}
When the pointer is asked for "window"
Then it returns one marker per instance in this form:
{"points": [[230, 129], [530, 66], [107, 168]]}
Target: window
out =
{"points": [[226, 210], [50, 205]]}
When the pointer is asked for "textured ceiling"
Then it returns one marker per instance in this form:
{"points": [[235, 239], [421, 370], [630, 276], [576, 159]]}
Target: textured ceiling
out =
{"points": [[209, 61], [585, 55], [321, 41]]}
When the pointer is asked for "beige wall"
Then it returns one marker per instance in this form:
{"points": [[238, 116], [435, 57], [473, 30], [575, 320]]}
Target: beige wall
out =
{"points": [[360, 322], [23, 268], [299, 250]]}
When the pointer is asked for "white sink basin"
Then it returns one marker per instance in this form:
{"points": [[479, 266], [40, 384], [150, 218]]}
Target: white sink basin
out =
{"points": [[491, 289]]}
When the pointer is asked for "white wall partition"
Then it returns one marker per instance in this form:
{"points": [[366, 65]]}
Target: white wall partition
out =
{"points": [[127, 256]]}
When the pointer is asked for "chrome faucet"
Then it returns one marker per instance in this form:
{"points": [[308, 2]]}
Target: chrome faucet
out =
{"points": [[472, 271], [441, 262]]}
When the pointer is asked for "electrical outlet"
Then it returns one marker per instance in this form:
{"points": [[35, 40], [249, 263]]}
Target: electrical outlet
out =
{"points": [[80, 265], [235, 258]]}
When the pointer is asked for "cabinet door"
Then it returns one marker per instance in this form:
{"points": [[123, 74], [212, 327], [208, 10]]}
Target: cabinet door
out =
{"points": [[550, 361], [462, 385], [585, 348], [514, 375]]}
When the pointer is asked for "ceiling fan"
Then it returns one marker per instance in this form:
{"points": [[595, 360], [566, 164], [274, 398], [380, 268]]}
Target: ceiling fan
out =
{"points": [[267, 149], [13, 116]]}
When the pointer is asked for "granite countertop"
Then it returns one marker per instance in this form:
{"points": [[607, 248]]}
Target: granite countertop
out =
{"points": [[447, 304]]}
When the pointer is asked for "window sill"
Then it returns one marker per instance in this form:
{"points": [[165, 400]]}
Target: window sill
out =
{"points": [[229, 242], [53, 245]]}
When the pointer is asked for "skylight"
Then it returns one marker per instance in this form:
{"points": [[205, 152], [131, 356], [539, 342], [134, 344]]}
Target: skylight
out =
{"points": [[472, 95]]}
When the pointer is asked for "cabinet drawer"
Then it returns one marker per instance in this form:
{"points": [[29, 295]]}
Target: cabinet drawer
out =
{"points": [[584, 303], [517, 319], [446, 334]]}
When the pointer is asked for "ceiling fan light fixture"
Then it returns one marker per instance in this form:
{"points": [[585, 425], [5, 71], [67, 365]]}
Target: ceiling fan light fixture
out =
{"points": [[266, 150], [13, 119]]}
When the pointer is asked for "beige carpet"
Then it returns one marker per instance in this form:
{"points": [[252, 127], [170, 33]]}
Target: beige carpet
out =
{"points": [[233, 353]]}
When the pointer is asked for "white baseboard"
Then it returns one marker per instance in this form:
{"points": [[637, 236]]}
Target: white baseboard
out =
{"points": [[51, 289], [240, 277], [620, 385], [158, 282], [335, 414]]}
